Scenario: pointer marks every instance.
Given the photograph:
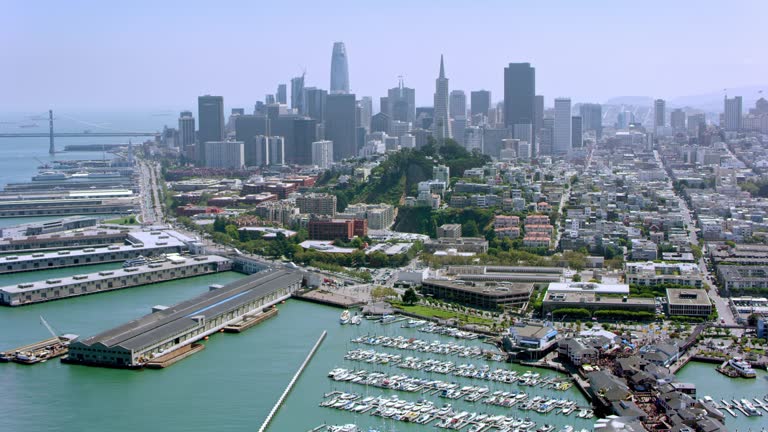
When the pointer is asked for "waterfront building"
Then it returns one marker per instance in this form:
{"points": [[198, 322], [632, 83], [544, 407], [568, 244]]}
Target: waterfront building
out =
{"points": [[210, 113], [441, 124], [562, 127], [224, 154], [533, 334], [491, 296], [186, 130], [520, 95], [339, 69], [168, 329], [322, 153], [688, 302]]}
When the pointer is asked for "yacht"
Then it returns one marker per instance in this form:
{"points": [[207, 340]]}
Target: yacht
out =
{"points": [[742, 367], [344, 318], [135, 262], [356, 319]]}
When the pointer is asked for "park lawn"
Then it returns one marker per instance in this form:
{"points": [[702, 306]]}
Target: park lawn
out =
{"points": [[130, 220], [443, 314]]}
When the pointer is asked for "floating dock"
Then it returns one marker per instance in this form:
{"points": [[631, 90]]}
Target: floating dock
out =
{"points": [[109, 280], [249, 321], [146, 243], [39, 351]]}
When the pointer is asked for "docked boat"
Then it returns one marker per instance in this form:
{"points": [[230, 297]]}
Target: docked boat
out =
{"points": [[356, 319], [135, 262], [742, 367], [388, 318], [345, 317]]}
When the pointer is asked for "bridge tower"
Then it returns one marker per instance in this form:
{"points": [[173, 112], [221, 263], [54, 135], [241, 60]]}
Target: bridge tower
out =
{"points": [[51, 148]]}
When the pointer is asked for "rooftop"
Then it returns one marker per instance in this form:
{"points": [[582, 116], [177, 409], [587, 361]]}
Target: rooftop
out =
{"points": [[687, 297]]}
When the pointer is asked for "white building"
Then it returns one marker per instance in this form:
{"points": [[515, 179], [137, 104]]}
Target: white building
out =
{"points": [[442, 173], [224, 154], [322, 153], [276, 150], [562, 135]]}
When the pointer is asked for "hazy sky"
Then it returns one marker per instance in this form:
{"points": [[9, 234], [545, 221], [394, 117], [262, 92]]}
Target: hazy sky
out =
{"points": [[163, 54]]}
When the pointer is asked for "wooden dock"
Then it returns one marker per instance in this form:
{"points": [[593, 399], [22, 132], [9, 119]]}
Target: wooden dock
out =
{"points": [[174, 357], [249, 321], [43, 350]]}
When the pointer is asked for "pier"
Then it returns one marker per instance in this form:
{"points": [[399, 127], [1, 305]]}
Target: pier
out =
{"points": [[109, 280], [249, 321], [139, 243], [288, 389]]}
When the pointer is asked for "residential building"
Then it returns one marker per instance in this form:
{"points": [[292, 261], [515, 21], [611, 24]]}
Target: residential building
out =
{"points": [[442, 173], [733, 114], [452, 231], [317, 204], [332, 229], [224, 154]]}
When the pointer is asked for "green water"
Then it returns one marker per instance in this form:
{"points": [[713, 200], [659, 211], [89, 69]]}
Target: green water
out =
{"points": [[710, 383]]}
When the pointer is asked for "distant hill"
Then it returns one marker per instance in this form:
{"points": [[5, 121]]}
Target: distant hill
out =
{"points": [[630, 100], [714, 101]]}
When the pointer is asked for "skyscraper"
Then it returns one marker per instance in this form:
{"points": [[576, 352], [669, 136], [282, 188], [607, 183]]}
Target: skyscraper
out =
{"points": [[576, 132], [538, 113], [677, 120], [186, 130], [339, 70], [441, 125], [314, 103], [297, 93], [480, 103], [224, 154], [210, 113], [365, 108], [519, 94], [733, 114], [282, 94], [592, 118], [458, 104], [400, 103], [340, 112], [659, 113], [299, 149], [562, 133]]}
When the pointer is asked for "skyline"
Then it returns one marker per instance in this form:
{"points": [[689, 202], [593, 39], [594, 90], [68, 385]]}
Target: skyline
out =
{"points": [[668, 57]]}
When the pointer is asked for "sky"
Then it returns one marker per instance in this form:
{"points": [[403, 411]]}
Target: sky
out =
{"points": [[97, 55]]}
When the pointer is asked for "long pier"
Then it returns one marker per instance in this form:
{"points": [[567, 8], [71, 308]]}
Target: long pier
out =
{"points": [[295, 378], [108, 280]]}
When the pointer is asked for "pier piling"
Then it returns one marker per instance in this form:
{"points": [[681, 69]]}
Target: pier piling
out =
{"points": [[295, 378]]}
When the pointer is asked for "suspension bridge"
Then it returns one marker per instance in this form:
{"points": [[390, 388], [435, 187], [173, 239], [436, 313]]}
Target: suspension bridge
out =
{"points": [[87, 133]]}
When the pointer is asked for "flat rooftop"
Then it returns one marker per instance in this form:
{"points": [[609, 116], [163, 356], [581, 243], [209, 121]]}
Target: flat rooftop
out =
{"points": [[591, 297], [495, 289], [687, 297], [588, 287], [174, 262], [19, 237], [149, 329], [139, 240]]}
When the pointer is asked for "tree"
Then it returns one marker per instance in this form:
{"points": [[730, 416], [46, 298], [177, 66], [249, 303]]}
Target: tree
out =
{"points": [[410, 297], [470, 229], [577, 277]]}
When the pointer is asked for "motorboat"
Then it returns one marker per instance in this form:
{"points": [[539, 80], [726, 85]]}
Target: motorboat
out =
{"points": [[742, 367], [345, 317]]}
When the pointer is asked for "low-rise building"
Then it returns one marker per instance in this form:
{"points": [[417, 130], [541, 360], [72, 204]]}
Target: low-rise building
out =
{"points": [[688, 302], [536, 335], [452, 231], [462, 244], [486, 295], [592, 302], [332, 229], [654, 274]]}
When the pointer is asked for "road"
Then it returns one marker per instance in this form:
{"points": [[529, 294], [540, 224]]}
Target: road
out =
{"points": [[149, 192], [721, 304]]}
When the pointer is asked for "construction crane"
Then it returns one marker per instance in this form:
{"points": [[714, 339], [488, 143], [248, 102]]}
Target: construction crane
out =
{"points": [[50, 329]]}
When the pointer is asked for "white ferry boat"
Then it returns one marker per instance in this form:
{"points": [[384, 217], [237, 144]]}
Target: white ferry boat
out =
{"points": [[742, 367], [344, 318]]}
